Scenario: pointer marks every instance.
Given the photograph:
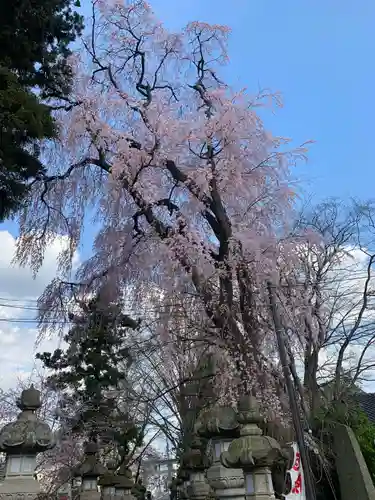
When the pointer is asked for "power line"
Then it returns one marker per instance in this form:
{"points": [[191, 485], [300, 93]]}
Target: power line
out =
{"points": [[11, 299], [34, 321], [324, 283]]}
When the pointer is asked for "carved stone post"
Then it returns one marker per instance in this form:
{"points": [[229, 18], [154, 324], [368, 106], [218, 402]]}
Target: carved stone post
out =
{"points": [[88, 473], [22, 441], [253, 452], [219, 424]]}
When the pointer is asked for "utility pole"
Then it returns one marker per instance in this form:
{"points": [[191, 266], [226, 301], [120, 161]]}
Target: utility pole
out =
{"points": [[309, 483]]}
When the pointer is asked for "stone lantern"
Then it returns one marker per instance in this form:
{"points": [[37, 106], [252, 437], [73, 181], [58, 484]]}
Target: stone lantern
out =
{"points": [[173, 488], [219, 424], [197, 462], [139, 490], [22, 440], [89, 471], [184, 473], [124, 483], [182, 480], [254, 453], [107, 481], [179, 485]]}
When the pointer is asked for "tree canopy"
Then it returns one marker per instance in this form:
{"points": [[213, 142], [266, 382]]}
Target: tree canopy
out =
{"points": [[188, 189], [34, 67]]}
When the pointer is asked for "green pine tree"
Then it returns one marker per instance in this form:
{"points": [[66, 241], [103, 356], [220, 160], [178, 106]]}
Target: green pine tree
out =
{"points": [[94, 362], [35, 36], [24, 121]]}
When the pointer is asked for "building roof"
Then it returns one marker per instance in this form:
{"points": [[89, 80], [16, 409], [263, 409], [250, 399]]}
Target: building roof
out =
{"points": [[366, 401]]}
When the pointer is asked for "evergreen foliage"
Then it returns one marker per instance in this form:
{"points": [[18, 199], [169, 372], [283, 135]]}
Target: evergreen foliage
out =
{"points": [[23, 122], [34, 48], [95, 363], [348, 413]]}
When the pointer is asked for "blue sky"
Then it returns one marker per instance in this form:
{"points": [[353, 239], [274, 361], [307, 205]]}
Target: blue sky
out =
{"points": [[321, 56]]}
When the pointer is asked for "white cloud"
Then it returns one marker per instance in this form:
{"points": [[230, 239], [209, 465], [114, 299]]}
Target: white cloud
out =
{"points": [[18, 294], [18, 281]]}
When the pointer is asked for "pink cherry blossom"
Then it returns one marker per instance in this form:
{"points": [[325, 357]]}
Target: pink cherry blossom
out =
{"points": [[184, 186]]}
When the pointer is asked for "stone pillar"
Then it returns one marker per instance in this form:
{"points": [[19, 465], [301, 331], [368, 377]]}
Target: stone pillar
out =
{"points": [[219, 424], [254, 453], [146, 475], [184, 490], [88, 472], [170, 472], [179, 484], [22, 441]]}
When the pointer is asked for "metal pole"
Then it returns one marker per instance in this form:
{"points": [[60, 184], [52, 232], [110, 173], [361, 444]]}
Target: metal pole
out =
{"points": [[309, 483]]}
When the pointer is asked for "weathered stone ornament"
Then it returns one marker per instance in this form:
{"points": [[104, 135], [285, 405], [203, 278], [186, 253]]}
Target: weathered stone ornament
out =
{"points": [[252, 452], [28, 434], [89, 471], [22, 440], [196, 462], [219, 424]]}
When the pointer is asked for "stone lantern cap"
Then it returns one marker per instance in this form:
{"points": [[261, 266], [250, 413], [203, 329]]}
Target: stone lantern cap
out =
{"points": [[27, 434], [90, 467], [109, 477], [217, 421], [252, 449], [124, 478]]}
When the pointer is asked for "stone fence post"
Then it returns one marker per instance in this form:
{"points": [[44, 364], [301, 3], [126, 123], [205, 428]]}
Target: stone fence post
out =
{"points": [[354, 477]]}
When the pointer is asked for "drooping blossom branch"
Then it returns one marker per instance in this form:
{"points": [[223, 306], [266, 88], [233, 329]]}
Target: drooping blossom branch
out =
{"points": [[161, 150]]}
